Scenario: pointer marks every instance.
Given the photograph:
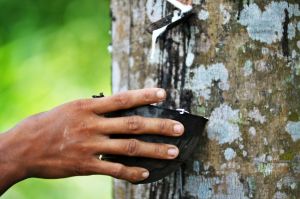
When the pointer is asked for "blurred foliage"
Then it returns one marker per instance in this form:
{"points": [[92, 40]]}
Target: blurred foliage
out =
{"points": [[52, 52]]}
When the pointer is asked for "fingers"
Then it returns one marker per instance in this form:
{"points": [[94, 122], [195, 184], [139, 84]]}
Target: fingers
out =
{"points": [[140, 125], [137, 148], [116, 170], [128, 99]]}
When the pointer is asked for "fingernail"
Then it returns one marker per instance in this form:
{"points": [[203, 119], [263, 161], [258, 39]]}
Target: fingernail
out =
{"points": [[145, 174], [178, 129], [161, 94], [173, 152]]}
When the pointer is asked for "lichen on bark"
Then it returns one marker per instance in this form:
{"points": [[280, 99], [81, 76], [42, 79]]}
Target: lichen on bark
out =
{"points": [[237, 62]]}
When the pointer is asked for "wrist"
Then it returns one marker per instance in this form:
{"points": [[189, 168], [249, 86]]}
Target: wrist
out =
{"points": [[12, 170]]}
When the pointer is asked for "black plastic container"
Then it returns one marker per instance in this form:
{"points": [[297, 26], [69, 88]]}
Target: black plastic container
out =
{"points": [[194, 131]]}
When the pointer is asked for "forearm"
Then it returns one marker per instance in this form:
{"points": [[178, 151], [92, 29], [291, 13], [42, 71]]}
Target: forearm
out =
{"points": [[8, 177], [11, 171]]}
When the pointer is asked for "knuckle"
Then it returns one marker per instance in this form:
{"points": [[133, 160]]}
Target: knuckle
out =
{"points": [[159, 150], [147, 96], [121, 99], [135, 177], [94, 124], [79, 169], [134, 123], [118, 171], [98, 127], [132, 147], [84, 148], [84, 127], [79, 104], [163, 125]]}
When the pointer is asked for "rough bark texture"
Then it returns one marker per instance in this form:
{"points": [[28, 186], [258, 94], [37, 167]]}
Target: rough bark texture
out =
{"points": [[236, 62]]}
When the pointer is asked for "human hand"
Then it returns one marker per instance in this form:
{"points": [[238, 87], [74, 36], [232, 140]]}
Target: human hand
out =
{"points": [[67, 140]]}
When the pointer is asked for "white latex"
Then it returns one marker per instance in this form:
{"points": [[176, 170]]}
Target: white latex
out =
{"points": [[182, 7]]}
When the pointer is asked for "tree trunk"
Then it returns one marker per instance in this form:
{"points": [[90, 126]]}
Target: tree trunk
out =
{"points": [[236, 62]]}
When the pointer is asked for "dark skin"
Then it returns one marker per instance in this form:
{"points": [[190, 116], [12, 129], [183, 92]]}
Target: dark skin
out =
{"points": [[67, 140]]}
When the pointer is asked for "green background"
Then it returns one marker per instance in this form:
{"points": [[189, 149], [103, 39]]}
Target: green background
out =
{"points": [[52, 52]]}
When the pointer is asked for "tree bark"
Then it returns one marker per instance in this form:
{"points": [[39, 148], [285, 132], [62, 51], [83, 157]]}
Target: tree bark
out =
{"points": [[236, 62]]}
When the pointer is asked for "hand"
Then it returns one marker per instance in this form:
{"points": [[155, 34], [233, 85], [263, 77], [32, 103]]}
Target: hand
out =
{"points": [[67, 140]]}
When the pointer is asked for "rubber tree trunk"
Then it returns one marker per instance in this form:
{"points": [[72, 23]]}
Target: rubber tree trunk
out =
{"points": [[236, 62]]}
